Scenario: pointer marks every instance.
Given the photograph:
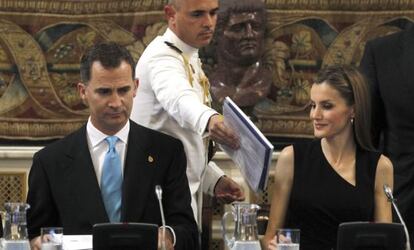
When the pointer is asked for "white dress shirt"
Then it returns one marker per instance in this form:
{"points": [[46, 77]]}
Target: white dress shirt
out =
{"points": [[98, 146], [166, 101]]}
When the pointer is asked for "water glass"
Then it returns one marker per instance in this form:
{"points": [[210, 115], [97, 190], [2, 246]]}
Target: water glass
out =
{"points": [[288, 239], [52, 238]]}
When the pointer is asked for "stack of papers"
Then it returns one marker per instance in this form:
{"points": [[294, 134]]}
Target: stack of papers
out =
{"points": [[255, 153], [77, 242]]}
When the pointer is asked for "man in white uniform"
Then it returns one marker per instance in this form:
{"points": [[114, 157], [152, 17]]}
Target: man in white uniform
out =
{"points": [[174, 97]]}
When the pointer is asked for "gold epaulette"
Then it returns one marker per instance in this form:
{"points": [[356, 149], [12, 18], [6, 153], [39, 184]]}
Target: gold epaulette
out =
{"points": [[188, 67]]}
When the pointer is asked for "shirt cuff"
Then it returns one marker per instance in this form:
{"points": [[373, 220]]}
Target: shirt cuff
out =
{"points": [[204, 119], [211, 177], [172, 232]]}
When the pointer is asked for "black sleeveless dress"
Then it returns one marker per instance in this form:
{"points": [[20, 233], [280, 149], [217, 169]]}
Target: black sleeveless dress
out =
{"points": [[321, 199]]}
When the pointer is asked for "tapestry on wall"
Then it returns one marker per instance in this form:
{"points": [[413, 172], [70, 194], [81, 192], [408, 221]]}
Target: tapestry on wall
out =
{"points": [[41, 43]]}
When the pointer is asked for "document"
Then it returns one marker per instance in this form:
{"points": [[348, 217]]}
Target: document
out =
{"points": [[255, 153], [77, 242]]}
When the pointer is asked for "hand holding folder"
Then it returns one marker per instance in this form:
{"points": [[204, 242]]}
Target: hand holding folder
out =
{"points": [[255, 153]]}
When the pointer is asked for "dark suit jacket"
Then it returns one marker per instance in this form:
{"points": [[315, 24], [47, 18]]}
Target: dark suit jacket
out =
{"points": [[388, 63], [64, 191]]}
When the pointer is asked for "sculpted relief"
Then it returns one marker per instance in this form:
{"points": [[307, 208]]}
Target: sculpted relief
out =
{"points": [[240, 72]]}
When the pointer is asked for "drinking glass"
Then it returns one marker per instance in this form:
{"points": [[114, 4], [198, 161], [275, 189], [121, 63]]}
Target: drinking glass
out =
{"points": [[288, 239], [52, 238]]}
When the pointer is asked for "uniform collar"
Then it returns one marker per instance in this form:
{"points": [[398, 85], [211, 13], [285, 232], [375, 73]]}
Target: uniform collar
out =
{"points": [[187, 50]]}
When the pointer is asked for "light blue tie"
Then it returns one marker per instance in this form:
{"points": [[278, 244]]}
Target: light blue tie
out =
{"points": [[111, 181]]}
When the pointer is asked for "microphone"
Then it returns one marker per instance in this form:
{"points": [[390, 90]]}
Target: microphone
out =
{"points": [[158, 192], [390, 196]]}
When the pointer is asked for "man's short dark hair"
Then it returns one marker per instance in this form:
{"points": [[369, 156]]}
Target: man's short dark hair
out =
{"points": [[109, 54]]}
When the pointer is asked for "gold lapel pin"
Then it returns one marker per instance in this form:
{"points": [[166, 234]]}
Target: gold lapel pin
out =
{"points": [[150, 158]]}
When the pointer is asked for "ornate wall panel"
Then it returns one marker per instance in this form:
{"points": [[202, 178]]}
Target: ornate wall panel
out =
{"points": [[40, 46], [41, 42], [12, 187]]}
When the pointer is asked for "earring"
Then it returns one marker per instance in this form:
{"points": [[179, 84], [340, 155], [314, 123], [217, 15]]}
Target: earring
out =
{"points": [[352, 120]]}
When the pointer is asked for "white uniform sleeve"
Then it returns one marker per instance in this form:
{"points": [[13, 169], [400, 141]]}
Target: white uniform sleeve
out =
{"points": [[212, 175], [174, 92]]}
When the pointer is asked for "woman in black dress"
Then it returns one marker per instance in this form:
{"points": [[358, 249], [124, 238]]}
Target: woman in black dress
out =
{"points": [[337, 177]]}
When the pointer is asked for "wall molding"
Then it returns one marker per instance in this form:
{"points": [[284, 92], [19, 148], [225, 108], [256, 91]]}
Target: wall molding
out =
{"points": [[79, 7], [341, 5]]}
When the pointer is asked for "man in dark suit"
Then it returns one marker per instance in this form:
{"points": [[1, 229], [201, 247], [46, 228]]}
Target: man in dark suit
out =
{"points": [[68, 181], [388, 63]]}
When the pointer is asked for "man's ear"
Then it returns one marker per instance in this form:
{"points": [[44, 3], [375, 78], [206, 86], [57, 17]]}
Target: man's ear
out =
{"points": [[136, 84], [169, 12], [82, 93]]}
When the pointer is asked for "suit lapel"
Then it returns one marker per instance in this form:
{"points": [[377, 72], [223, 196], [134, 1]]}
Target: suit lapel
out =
{"points": [[138, 174], [82, 175]]}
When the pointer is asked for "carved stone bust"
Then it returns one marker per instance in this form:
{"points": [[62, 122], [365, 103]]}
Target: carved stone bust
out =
{"points": [[239, 72]]}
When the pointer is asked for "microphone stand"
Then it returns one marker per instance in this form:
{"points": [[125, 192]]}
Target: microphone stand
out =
{"points": [[158, 192], [390, 196]]}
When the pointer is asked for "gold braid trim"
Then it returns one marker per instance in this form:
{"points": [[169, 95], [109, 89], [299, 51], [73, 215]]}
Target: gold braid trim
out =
{"points": [[203, 81], [206, 89], [188, 69]]}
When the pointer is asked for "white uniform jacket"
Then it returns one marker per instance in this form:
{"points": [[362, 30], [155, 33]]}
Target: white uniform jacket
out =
{"points": [[167, 101]]}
